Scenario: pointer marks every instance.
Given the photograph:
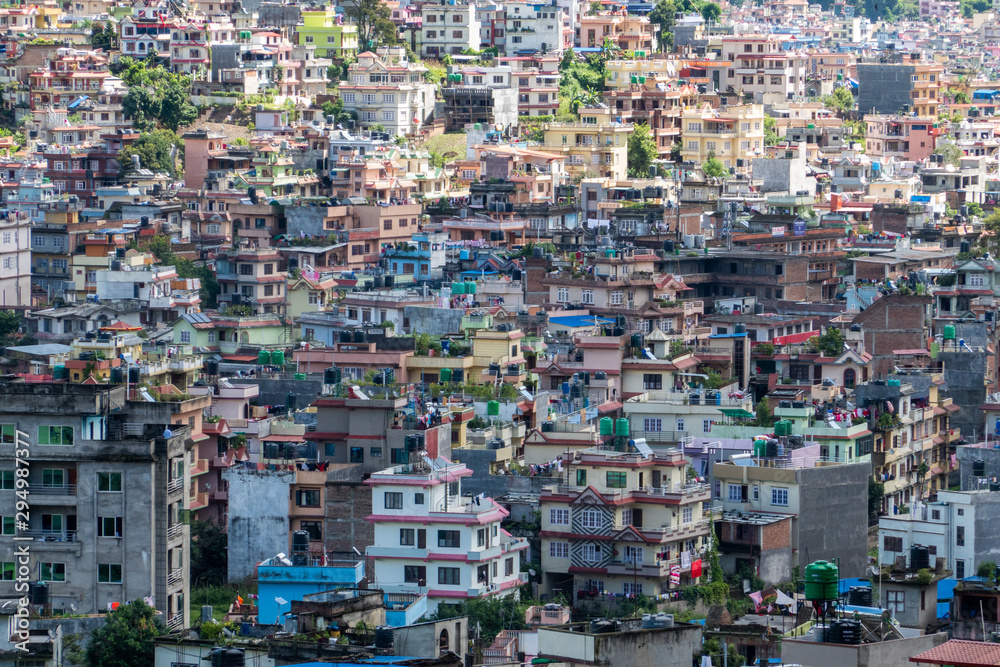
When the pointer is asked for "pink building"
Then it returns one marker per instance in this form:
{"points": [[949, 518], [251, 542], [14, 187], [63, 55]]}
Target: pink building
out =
{"points": [[901, 137]]}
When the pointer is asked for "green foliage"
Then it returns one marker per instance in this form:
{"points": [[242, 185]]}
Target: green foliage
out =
{"points": [[662, 17], [951, 152], [375, 26], [209, 545], [764, 416], [103, 37], [153, 150], [876, 492], [641, 151], [126, 639], [711, 12], [831, 342], [162, 249], [10, 324], [960, 97], [925, 576], [840, 100], [508, 392], [212, 630], [771, 137], [987, 569], [713, 167], [155, 95], [490, 614]]}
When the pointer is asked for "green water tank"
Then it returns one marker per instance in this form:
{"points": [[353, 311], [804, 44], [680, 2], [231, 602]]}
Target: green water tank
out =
{"points": [[633, 79], [760, 447], [822, 578], [493, 408], [949, 332], [621, 428], [458, 288], [783, 427], [300, 376], [470, 288], [278, 357], [445, 375], [263, 357], [935, 349], [893, 382], [607, 426]]}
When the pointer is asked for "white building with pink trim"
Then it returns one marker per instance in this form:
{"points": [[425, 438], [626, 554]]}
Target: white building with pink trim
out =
{"points": [[429, 539]]}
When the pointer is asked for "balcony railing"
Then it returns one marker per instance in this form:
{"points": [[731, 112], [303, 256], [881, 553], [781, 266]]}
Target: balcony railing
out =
{"points": [[175, 577], [176, 621], [175, 531], [199, 467], [49, 535], [52, 490], [175, 485]]}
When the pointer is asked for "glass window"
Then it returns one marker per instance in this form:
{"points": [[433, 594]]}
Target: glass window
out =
{"points": [[55, 435], [415, 574], [8, 434], [407, 537], [109, 526], [451, 539], [357, 454], [52, 571], [449, 576], [109, 573], [559, 517], [617, 480], [394, 500], [558, 549]]}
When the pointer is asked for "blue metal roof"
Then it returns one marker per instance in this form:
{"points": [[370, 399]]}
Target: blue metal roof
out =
{"points": [[579, 320]]}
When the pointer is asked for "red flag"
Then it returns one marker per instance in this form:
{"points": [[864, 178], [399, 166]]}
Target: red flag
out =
{"points": [[695, 568]]}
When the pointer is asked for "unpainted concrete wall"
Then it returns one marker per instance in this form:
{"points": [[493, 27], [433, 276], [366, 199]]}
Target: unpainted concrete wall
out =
{"points": [[258, 517], [833, 516]]}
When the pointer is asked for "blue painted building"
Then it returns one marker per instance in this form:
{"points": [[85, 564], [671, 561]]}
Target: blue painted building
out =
{"points": [[423, 257], [278, 585]]}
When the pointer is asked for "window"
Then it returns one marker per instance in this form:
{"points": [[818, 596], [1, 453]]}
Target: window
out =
{"points": [[388, 115], [895, 600], [53, 478], [592, 519], [779, 497], [357, 454], [7, 525], [588, 296], [706, 425], [737, 493], [6, 480], [415, 574], [508, 567], [559, 517], [394, 500], [55, 435], [687, 515], [581, 478], [418, 499], [399, 455], [591, 553], [7, 570], [563, 295], [329, 449], [307, 498], [626, 517], [481, 537], [652, 424], [680, 424], [960, 536], [376, 452], [959, 569], [314, 528], [449, 576], [109, 573], [450, 539], [616, 298], [52, 571], [349, 97], [558, 549], [388, 97], [407, 537], [109, 526], [893, 543], [185, 336], [617, 480], [652, 381]]}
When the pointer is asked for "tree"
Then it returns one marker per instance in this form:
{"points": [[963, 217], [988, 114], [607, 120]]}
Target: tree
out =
{"points": [[103, 36], [641, 151], [567, 60], [831, 342], [490, 614], [764, 416], [713, 166], [10, 324], [711, 12], [951, 152], [841, 100], [662, 17], [960, 98], [126, 638], [595, 9], [153, 150], [374, 25], [771, 137], [142, 105], [176, 109], [209, 562]]}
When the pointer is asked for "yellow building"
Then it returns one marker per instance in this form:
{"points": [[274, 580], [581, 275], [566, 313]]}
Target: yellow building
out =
{"points": [[328, 33], [734, 134], [494, 357], [596, 143], [620, 522]]}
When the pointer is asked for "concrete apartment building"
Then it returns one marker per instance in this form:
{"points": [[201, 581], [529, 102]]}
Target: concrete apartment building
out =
{"points": [[959, 527], [107, 480], [826, 521], [905, 138], [534, 28], [432, 540], [388, 90], [621, 521], [448, 29], [734, 134], [537, 80], [252, 277], [761, 68], [595, 143]]}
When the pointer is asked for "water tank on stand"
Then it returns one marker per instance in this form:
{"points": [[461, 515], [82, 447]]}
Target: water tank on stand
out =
{"points": [[920, 557]]}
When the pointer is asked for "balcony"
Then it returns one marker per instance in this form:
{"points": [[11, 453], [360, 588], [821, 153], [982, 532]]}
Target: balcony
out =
{"points": [[219, 496], [175, 577], [631, 568], [49, 535], [175, 485], [199, 467], [175, 531], [176, 621], [52, 490], [199, 500]]}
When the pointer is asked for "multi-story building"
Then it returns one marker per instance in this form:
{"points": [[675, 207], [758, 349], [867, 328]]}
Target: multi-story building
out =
{"points": [[761, 67], [252, 277], [622, 521], [388, 90], [15, 259], [735, 135], [537, 79], [108, 480], [628, 32], [448, 28], [66, 77], [597, 143], [533, 29], [908, 86], [906, 138], [432, 540], [326, 30], [144, 32], [480, 95]]}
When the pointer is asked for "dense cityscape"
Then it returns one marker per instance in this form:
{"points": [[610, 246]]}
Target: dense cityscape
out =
{"points": [[461, 333]]}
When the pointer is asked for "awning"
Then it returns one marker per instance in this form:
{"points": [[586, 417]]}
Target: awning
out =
{"points": [[283, 438], [239, 357], [736, 413]]}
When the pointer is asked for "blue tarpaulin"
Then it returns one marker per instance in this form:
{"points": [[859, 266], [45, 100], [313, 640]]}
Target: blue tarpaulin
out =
{"points": [[579, 321]]}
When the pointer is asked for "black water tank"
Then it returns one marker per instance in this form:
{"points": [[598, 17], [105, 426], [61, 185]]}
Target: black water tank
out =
{"points": [[359, 336], [390, 281], [379, 282], [920, 557], [211, 367], [383, 636], [978, 468], [548, 427], [618, 331], [850, 632], [861, 596], [345, 336], [331, 376], [117, 375], [458, 375], [228, 657], [300, 541], [600, 375], [134, 375], [515, 274], [538, 252], [38, 593], [411, 443]]}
